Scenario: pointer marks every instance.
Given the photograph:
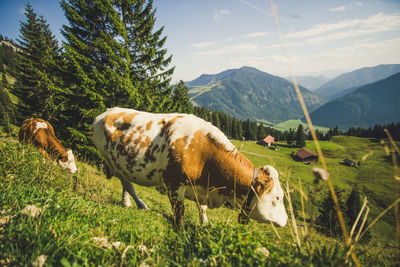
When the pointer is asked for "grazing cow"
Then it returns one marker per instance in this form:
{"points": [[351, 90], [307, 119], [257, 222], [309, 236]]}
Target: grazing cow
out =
{"points": [[189, 157], [41, 134]]}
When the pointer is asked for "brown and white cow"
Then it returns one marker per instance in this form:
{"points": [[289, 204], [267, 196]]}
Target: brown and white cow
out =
{"points": [[41, 134], [189, 157]]}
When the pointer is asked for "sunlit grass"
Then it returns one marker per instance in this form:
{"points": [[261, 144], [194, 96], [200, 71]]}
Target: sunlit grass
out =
{"points": [[81, 207]]}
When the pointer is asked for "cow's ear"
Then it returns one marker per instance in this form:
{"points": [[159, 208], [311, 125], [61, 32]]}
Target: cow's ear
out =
{"points": [[63, 157], [265, 169]]}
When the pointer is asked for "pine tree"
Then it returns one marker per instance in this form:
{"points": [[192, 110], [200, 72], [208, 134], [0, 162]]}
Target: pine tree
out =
{"points": [[215, 119], [114, 57], [261, 133], [6, 106], [37, 82], [181, 100], [300, 137], [327, 221], [290, 136], [353, 207], [147, 57]]}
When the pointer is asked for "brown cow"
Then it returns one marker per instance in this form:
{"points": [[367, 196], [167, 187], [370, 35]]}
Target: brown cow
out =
{"points": [[41, 134], [189, 157]]}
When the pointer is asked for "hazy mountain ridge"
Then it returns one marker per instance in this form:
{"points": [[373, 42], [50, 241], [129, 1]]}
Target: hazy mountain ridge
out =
{"points": [[310, 82], [374, 103], [355, 79], [248, 93]]}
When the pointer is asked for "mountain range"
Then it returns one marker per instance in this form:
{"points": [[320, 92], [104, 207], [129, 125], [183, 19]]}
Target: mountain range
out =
{"points": [[310, 82], [248, 93], [374, 103], [354, 79], [360, 98]]}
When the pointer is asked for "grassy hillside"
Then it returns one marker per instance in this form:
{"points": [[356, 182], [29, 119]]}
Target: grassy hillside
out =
{"points": [[286, 125], [79, 210]]}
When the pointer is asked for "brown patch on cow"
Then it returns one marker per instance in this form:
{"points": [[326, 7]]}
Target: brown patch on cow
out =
{"points": [[146, 143], [161, 122], [206, 162], [110, 121], [148, 125], [264, 183], [43, 138], [166, 128], [140, 129], [138, 140]]}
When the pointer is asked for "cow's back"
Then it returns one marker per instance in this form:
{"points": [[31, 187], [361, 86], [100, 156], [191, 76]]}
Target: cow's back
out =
{"points": [[35, 130], [139, 146]]}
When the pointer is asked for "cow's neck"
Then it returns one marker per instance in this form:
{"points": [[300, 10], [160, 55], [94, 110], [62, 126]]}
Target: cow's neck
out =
{"points": [[55, 148], [236, 170]]}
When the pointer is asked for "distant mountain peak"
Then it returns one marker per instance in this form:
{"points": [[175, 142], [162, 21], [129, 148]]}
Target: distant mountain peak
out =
{"points": [[248, 93], [356, 78], [370, 104]]}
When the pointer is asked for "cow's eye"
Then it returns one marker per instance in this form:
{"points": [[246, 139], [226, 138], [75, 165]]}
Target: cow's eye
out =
{"points": [[277, 198]]}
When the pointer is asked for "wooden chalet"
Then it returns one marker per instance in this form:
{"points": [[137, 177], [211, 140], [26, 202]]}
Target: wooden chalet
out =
{"points": [[306, 155], [267, 141]]}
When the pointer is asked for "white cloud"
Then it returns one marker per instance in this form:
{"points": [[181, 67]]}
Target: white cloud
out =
{"points": [[224, 50], [323, 28], [340, 8], [359, 4], [220, 13], [256, 34], [202, 45], [346, 29]]}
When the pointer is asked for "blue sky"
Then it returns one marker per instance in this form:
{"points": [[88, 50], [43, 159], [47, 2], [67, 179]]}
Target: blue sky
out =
{"points": [[209, 36]]}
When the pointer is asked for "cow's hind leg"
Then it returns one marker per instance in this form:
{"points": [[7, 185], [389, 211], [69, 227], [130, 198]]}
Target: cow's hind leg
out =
{"points": [[176, 197], [129, 189]]}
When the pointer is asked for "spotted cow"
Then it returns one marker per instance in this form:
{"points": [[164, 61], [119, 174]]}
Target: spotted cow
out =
{"points": [[41, 134], [190, 158]]}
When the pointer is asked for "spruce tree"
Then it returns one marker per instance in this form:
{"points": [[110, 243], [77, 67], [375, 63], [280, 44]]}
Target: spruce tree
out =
{"points": [[290, 136], [261, 133], [300, 137], [37, 82], [6, 106], [215, 119], [113, 58], [181, 99], [327, 221], [147, 57], [353, 207]]}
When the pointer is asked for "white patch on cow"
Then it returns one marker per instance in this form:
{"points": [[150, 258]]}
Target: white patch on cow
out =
{"points": [[69, 165], [40, 125], [189, 124], [186, 126], [270, 206]]}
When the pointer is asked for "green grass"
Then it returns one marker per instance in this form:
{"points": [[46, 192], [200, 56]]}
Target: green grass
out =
{"points": [[286, 125], [84, 206]]}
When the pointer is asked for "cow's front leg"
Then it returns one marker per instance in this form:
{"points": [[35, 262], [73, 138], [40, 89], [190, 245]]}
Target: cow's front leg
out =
{"points": [[203, 215], [176, 197], [129, 189]]}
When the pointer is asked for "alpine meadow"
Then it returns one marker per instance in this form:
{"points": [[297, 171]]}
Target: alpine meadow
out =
{"points": [[248, 133]]}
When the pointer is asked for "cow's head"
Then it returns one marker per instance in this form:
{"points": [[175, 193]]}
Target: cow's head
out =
{"points": [[66, 161], [268, 204]]}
